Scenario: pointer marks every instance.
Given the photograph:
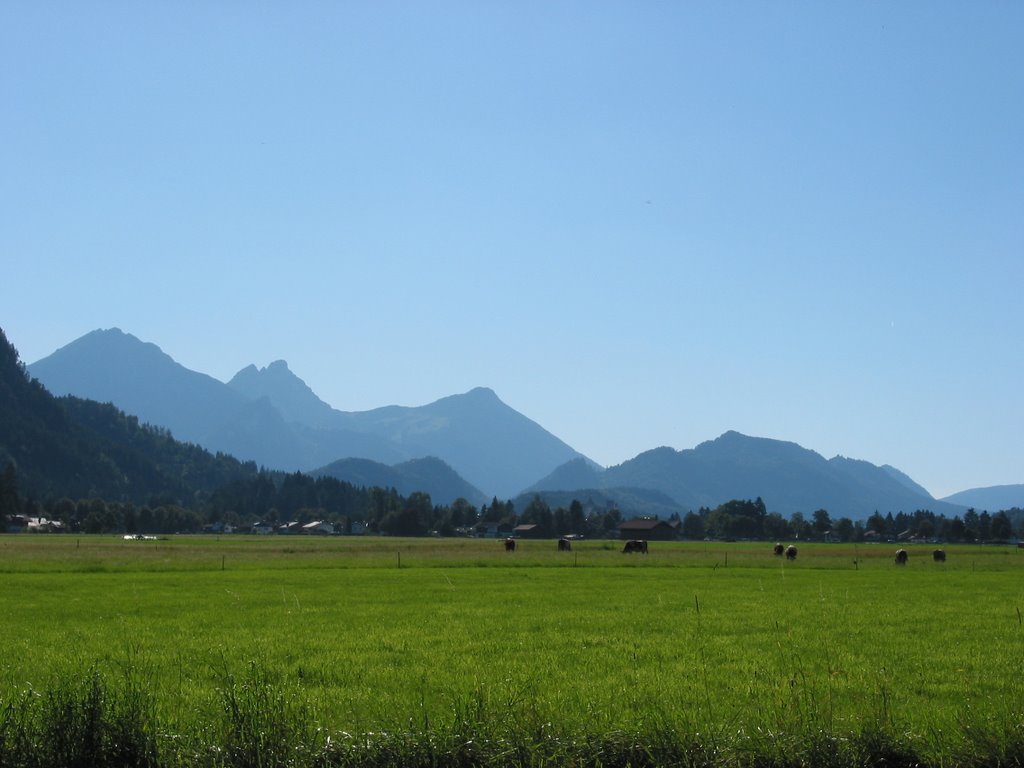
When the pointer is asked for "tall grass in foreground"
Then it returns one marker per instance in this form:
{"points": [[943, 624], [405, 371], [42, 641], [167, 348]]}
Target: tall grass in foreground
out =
{"points": [[105, 719], [270, 653]]}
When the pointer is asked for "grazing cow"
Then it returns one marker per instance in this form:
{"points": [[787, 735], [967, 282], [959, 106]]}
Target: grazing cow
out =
{"points": [[635, 545], [510, 545], [939, 555], [791, 552], [901, 557], [778, 549], [564, 545]]}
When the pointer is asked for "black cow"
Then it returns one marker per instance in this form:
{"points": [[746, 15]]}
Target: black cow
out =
{"points": [[901, 557], [778, 549], [939, 555], [791, 552], [564, 545], [510, 545], [635, 545]]}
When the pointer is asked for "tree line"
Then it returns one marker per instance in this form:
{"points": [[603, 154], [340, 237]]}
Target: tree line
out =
{"points": [[739, 519], [276, 499]]}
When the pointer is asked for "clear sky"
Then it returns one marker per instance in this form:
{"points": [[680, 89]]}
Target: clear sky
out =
{"points": [[640, 223]]}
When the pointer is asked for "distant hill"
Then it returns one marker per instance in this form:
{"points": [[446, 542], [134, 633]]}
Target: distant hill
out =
{"points": [[429, 475], [993, 499], [788, 477], [272, 417], [83, 449], [577, 473]]}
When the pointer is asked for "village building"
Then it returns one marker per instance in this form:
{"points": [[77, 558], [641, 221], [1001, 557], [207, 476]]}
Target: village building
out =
{"points": [[527, 531], [318, 528], [649, 528]]}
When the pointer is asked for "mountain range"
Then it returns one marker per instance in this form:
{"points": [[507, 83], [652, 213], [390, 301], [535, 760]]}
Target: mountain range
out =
{"points": [[788, 477], [272, 417], [993, 497], [471, 445]]}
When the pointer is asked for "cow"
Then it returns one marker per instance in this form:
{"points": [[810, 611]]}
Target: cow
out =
{"points": [[901, 557], [635, 545], [791, 552], [564, 545], [510, 545], [939, 555], [778, 549]]}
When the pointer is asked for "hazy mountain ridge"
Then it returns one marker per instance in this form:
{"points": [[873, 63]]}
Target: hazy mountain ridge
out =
{"points": [[788, 477], [906, 480], [272, 417], [429, 475], [992, 498], [140, 379], [289, 394]]}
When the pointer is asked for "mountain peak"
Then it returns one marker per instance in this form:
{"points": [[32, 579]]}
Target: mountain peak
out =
{"points": [[289, 394], [110, 365]]}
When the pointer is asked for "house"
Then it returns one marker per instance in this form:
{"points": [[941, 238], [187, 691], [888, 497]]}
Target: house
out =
{"points": [[649, 528], [358, 527], [492, 530], [219, 527], [318, 528], [42, 525], [527, 531], [262, 528], [291, 527]]}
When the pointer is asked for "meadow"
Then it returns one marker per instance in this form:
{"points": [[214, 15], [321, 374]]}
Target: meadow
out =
{"points": [[238, 650]]}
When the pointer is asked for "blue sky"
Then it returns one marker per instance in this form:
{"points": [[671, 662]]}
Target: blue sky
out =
{"points": [[641, 224]]}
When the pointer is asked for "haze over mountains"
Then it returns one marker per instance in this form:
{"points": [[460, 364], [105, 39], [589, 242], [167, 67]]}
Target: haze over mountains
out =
{"points": [[788, 477], [470, 445], [270, 416]]}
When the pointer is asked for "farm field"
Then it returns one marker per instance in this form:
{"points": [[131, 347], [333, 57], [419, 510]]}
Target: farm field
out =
{"points": [[336, 651]]}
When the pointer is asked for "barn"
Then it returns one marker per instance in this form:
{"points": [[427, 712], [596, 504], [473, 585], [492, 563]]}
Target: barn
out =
{"points": [[651, 529], [528, 531]]}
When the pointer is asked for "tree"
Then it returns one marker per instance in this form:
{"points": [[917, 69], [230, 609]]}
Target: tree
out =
{"points": [[498, 512], [9, 502], [538, 513], [1002, 530], [984, 526], [737, 518], [411, 519], [876, 523], [843, 529], [970, 524], [608, 523], [822, 523], [463, 514], [775, 526], [693, 526], [577, 518]]}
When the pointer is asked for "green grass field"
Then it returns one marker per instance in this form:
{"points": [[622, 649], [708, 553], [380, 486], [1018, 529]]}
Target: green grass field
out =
{"points": [[336, 651]]}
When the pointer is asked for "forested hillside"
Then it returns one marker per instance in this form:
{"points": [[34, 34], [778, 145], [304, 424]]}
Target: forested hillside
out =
{"points": [[83, 449]]}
